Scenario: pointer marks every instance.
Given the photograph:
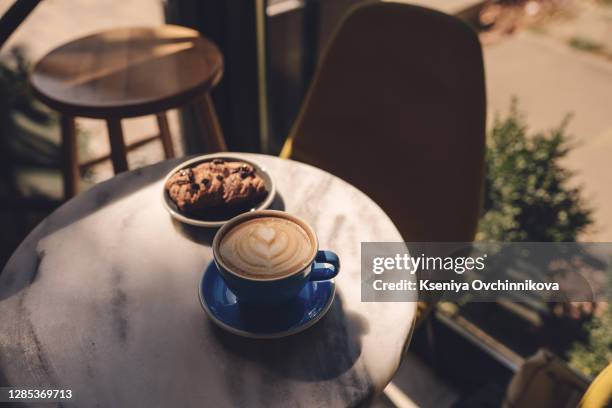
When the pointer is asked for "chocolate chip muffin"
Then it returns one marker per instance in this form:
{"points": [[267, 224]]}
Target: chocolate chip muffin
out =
{"points": [[214, 184]]}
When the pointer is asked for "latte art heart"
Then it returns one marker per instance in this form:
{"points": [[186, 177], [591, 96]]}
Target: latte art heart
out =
{"points": [[266, 247], [266, 234]]}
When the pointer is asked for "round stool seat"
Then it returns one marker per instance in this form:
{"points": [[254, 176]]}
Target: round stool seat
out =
{"points": [[128, 72]]}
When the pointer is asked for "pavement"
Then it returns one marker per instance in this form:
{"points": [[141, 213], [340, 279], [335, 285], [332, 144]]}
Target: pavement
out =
{"points": [[416, 385], [54, 22], [551, 79]]}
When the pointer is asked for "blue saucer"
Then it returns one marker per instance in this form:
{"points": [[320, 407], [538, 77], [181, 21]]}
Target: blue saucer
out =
{"points": [[221, 305]]}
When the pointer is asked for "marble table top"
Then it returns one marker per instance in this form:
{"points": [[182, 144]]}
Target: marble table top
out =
{"points": [[102, 298]]}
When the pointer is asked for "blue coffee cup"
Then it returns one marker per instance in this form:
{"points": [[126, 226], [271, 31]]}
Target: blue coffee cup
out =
{"points": [[323, 265]]}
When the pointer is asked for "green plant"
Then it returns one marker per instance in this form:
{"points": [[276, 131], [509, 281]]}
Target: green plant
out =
{"points": [[527, 196], [528, 199], [585, 44], [22, 141], [593, 355]]}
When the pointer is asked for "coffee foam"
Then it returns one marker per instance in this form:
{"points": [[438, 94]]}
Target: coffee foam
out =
{"points": [[266, 248]]}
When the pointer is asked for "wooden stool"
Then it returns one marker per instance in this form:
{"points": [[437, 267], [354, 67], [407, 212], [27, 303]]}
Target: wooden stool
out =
{"points": [[125, 73]]}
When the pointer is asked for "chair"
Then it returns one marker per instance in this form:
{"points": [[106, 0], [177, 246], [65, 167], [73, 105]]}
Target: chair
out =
{"points": [[599, 393], [128, 72], [397, 108], [544, 380]]}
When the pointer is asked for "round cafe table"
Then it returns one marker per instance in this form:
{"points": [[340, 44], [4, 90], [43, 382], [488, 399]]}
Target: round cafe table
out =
{"points": [[102, 298]]}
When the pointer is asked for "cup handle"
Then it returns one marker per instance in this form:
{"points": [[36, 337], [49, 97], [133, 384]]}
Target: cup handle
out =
{"points": [[325, 267]]}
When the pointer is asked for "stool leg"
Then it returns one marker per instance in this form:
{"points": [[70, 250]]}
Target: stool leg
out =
{"points": [[70, 167], [118, 151], [209, 123], [164, 133]]}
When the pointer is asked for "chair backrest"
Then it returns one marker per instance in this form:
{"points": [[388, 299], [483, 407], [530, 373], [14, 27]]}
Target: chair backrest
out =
{"points": [[599, 393], [397, 108], [545, 381]]}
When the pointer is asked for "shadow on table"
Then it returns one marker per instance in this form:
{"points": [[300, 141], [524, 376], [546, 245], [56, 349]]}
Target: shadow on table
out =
{"points": [[323, 352], [205, 236], [22, 268]]}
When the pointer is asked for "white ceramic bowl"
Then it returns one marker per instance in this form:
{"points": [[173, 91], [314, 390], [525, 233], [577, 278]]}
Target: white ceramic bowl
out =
{"points": [[215, 222]]}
